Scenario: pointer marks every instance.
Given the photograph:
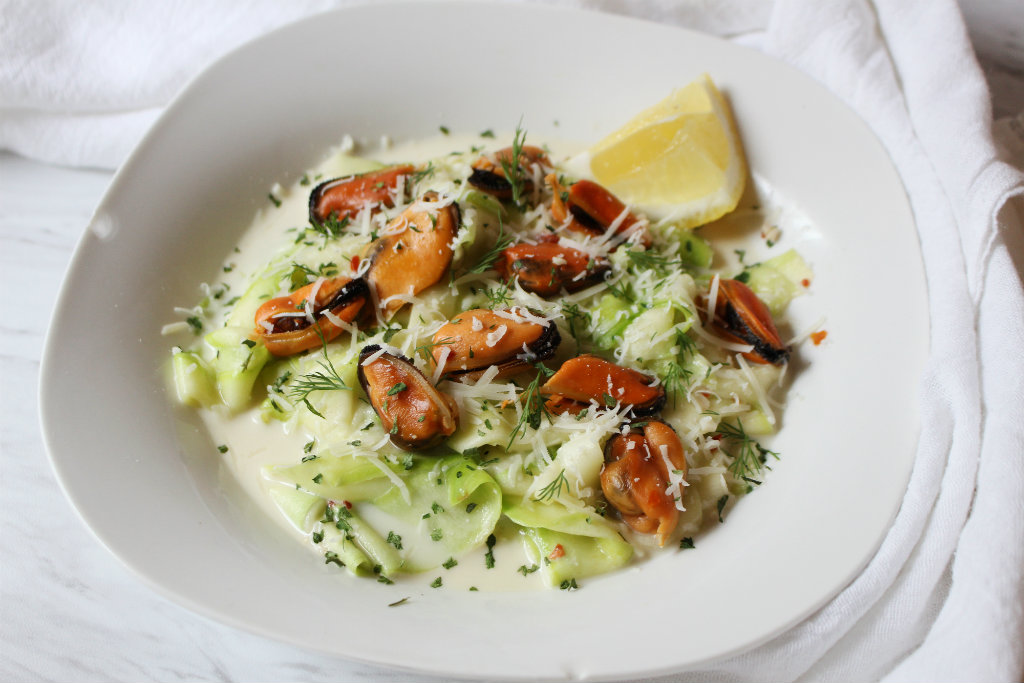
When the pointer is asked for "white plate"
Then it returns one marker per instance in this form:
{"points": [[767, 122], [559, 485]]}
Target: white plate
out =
{"points": [[141, 473]]}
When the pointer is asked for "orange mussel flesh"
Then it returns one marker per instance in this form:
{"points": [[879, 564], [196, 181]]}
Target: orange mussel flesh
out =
{"points": [[345, 197], [414, 251], [476, 339], [742, 317], [284, 325], [592, 210], [547, 268], [410, 408], [589, 378], [489, 171], [637, 477]]}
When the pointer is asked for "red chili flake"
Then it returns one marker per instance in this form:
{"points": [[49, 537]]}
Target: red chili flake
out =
{"points": [[819, 336], [354, 265], [348, 505], [547, 237], [805, 282], [558, 552]]}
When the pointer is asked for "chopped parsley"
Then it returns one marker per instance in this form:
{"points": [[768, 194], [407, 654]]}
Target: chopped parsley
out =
{"points": [[489, 555]]}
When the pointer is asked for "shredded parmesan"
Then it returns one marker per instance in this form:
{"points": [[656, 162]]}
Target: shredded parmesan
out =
{"points": [[180, 326], [495, 336], [713, 298], [439, 368], [383, 467], [807, 332], [762, 399], [718, 341]]}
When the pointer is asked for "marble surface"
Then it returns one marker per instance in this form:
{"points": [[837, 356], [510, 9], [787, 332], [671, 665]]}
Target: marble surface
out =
{"points": [[69, 610]]}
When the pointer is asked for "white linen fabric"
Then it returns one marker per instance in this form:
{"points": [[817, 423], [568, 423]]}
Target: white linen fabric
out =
{"points": [[943, 599]]}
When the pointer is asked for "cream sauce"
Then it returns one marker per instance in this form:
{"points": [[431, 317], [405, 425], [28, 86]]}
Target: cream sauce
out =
{"points": [[254, 445]]}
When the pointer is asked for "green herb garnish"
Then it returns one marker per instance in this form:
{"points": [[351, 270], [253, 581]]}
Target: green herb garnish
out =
{"points": [[513, 171], [554, 488]]}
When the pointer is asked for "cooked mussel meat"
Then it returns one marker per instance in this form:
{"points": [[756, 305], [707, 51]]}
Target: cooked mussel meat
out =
{"points": [[410, 408], [589, 209], [342, 198], [489, 171], [740, 316], [413, 252], [466, 346], [310, 315], [547, 268], [589, 378], [643, 476]]}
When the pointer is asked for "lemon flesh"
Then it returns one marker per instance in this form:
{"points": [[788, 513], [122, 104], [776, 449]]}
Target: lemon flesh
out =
{"points": [[680, 160]]}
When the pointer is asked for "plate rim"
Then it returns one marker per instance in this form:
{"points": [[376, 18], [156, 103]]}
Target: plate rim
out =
{"points": [[48, 383]]}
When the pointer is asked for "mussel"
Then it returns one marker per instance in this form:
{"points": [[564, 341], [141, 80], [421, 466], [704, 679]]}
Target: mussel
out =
{"points": [[742, 317], [475, 340], [547, 268], [410, 408], [593, 210], [310, 315], [343, 198], [413, 252], [589, 378], [489, 171], [643, 476]]}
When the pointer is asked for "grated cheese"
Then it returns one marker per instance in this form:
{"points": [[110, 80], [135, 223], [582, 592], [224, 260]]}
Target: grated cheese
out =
{"points": [[495, 336]]}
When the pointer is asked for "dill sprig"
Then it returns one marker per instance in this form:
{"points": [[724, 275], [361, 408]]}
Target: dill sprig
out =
{"points": [[494, 253], [300, 275], [677, 380], [499, 296], [423, 173], [653, 261], [533, 404], [749, 457], [424, 349], [617, 290], [329, 227], [678, 377], [326, 380], [513, 171], [554, 488], [577, 320]]}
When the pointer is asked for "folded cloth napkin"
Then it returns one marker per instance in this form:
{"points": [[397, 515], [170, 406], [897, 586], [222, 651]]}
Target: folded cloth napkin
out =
{"points": [[943, 599]]}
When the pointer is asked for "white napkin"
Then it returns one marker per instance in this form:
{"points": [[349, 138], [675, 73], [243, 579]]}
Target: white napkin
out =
{"points": [[943, 599]]}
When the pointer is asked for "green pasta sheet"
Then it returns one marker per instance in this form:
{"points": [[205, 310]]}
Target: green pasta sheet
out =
{"points": [[383, 555], [590, 545], [452, 507], [346, 552], [345, 537], [301, 508], [340, 478]]}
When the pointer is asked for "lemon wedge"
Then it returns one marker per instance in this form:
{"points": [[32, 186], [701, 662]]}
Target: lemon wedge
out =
{"points": [[680, 160]]}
